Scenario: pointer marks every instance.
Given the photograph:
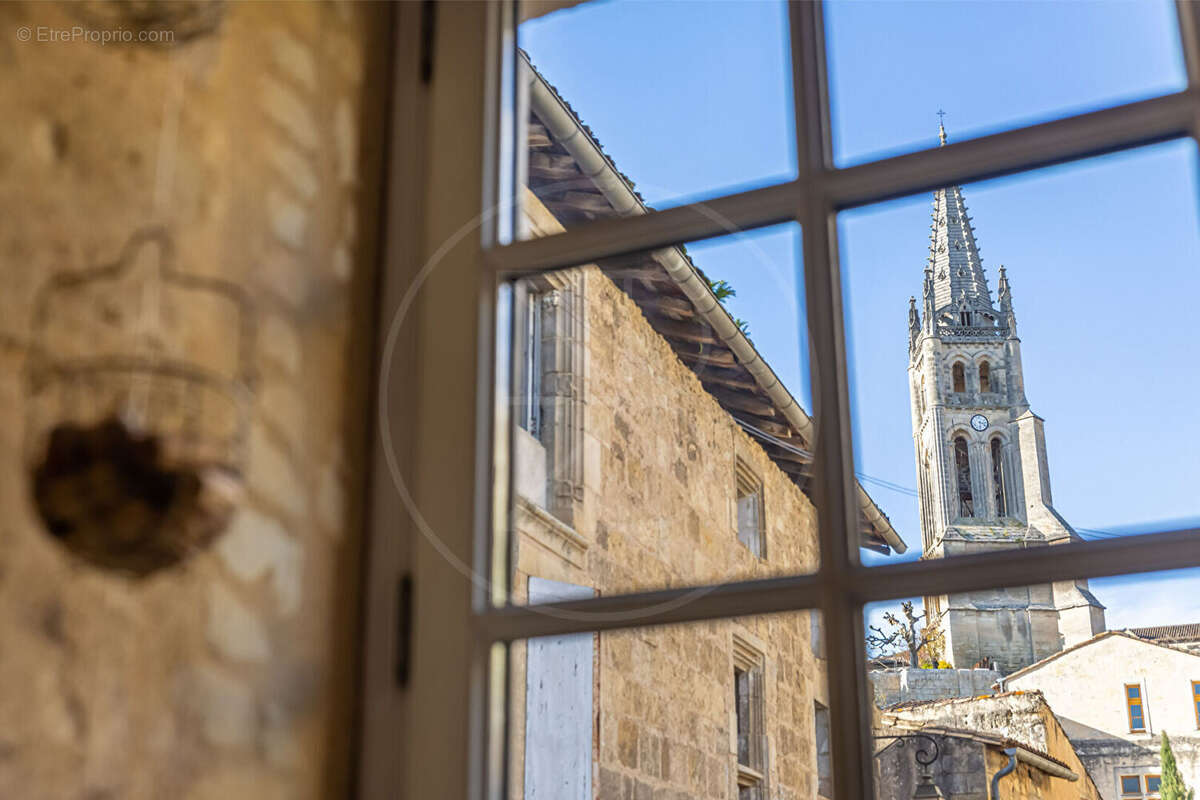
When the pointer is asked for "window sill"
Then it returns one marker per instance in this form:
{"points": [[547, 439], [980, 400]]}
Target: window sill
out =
{"points": [[748, 776], [551, 533]]}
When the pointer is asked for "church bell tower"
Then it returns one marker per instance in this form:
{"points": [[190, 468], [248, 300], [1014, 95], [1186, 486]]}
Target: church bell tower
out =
{"points": [[983, 479]]}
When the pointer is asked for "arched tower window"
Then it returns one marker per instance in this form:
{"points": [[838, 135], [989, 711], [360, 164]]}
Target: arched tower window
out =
{"points": [[959, 376], [998, 478], [985, 376], [962, 468]]}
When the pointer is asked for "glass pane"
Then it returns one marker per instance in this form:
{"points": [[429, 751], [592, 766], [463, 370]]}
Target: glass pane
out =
{"points": [[659, 431], [990, 65], [689, 100], [1044, 393], [1082, 677], [736, 708]]}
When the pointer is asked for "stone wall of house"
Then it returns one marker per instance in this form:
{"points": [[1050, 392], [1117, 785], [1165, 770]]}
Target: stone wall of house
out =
{"points": [[1097, 708], [657, 509], [1030, 783], [1094, 711], [1109, 759], [892, 686], [964, 769], [251, 146], [959, 771], [1022, 716]]}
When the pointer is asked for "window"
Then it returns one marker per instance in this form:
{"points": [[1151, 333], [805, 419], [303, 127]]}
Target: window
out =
{"points": [[959, 375], [824, 764], [998, 477], [962, 468], [1196, 700], [985, 376], [750, 712], [1131, 786], [530, 412], [750, 511], [1133, 698], [964, 318], [1153, 783], [454, 494]]}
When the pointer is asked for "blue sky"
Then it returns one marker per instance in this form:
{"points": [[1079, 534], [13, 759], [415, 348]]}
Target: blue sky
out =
{"points": [[692, 99]]}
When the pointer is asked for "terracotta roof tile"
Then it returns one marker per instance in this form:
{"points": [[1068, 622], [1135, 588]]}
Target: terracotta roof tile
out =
{"points": [[1169, 633]]}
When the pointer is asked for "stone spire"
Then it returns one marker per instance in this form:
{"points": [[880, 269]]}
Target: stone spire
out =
{"points": [[954, 255]]}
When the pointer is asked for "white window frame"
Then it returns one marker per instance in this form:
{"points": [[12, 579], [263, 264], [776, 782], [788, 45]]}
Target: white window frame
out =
{"points": [[451, 713]]}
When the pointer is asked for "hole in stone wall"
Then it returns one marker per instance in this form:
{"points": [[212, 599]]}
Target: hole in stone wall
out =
{"points": [[115, 499]]}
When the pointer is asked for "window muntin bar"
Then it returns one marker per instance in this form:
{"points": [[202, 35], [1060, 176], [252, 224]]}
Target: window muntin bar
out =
{"points": [[1111, 130], [1153, 552]]}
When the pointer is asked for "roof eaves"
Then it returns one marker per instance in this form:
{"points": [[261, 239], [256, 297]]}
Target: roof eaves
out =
{"points": [[1102, 635], [616, 186]]}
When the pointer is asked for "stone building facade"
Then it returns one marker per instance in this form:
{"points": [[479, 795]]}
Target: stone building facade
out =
{"points": [[659, 509], [983, 472], [657, 506], [1118, 735], [1014, 736], [652, 447], [243, 153]]}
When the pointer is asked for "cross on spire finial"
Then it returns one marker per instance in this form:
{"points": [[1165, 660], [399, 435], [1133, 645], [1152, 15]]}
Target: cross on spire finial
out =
{"points": [[941, 126]]}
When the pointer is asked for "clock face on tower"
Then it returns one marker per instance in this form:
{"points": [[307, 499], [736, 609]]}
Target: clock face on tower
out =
{"points": [[979, 422]]}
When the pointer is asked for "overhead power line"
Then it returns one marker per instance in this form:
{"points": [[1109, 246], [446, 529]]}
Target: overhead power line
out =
{"points": [[910, 492]]}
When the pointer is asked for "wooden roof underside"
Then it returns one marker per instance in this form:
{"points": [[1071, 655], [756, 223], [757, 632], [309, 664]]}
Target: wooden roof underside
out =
{"points": [[556, 180]]}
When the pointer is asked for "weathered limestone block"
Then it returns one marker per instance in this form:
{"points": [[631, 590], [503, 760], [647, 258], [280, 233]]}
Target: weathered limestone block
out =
{"points": [[892, 686]]}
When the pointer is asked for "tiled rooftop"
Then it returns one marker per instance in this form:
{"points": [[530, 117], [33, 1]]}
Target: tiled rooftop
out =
{"points": [[1169, 633]]}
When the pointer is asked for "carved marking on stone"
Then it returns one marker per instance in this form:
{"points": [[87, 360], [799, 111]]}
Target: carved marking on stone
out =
{"points": [[137, 416]]}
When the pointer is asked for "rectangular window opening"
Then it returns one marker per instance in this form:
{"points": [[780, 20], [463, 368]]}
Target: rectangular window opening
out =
{"points": [[824, 755], [750, 711], [1131, 786], [750, 530], [1153, 784], [530, 412], [1133, 697]]}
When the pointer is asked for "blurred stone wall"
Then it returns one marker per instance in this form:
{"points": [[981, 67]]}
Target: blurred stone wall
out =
{"points": [[253, 140]]}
